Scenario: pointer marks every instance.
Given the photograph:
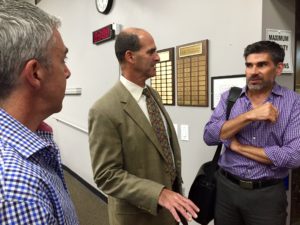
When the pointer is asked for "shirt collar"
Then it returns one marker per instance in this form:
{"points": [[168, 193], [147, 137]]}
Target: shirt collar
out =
{"points": [[134, 89], [277, 89], [18, 136]]}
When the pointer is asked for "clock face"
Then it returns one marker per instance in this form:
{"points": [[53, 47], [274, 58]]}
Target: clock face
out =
{"points": [[104, 6]]}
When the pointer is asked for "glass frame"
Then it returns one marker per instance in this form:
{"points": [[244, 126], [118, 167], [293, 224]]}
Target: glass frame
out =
{"points": [[221, 84]]}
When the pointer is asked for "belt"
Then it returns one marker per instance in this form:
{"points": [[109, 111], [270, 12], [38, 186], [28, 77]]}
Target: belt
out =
{"points": [[249, 184]]}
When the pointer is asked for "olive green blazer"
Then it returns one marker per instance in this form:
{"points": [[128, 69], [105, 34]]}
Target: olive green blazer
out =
{"points": [[127, 159]]}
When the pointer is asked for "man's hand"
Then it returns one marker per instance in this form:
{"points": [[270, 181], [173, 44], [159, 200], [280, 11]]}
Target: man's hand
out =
{"points": [[264, 112], [175, 202]]}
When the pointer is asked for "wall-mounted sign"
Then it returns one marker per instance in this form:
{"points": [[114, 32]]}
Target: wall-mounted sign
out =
{"points": [[103, 34], [283, 37]]}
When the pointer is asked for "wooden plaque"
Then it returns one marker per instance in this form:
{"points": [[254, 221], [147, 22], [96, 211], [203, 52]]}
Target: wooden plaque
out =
{"points": [[192, 74], [163, 82]]}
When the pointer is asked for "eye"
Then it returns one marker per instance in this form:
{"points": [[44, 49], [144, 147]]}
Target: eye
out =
{"points": [[152, 51], [262, 64], [248, 65]]}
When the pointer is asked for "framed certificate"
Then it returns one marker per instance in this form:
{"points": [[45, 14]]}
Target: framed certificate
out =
{"points": [[224, 83]]}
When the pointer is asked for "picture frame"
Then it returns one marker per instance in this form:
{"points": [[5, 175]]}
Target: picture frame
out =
{"points": [[221, 84]]}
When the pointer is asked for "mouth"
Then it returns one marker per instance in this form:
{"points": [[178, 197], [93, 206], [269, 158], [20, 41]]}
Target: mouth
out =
{"points": [[255, 80]]}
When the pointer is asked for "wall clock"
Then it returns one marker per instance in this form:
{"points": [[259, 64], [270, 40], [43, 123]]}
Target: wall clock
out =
{"points": [[104, 6]]}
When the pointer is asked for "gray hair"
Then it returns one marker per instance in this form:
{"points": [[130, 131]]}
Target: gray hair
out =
{"points": [[25, 33]]}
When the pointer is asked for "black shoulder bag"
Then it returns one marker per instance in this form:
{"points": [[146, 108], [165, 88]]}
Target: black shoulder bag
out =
{"points": [[203, 189]]}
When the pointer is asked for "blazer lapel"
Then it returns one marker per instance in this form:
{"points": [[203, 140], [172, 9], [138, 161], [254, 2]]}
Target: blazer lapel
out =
{"points": [[137, 115]]}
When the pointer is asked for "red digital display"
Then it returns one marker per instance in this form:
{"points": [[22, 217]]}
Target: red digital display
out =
{"points": [[103, 34]]}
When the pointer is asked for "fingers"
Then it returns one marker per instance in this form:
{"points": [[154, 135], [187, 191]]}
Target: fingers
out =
{"points": [[273, 113], [175, 215], [191, 207], [176, 203], [185, 209], [265, 112]]}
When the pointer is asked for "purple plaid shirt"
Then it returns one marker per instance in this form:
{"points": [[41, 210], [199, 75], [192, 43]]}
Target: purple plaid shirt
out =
{"points": [[280, 140]]}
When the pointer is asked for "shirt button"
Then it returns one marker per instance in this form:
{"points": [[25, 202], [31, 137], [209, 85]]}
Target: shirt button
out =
{"points": [[253, 138]]}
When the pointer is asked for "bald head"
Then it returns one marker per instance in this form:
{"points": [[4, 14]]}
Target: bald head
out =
{"points": [[128, 39], [134, 30]]}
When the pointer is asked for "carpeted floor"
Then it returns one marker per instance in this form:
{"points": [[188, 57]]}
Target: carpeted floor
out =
{"points": [[91, 209]]}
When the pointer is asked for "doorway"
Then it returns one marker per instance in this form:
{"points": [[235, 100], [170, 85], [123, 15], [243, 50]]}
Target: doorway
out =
{"points": [[295, 185]]}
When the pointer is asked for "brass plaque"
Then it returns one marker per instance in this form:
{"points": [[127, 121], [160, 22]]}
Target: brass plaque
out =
{"points": [[192, 74], [202, 63], [202, 83], [164, 56], [190, 50], [164, 81], [202, 73]]}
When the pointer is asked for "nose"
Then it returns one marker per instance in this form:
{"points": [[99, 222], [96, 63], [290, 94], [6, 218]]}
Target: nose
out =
{"points": [[254, 69], [67, 72], [157, 58]]}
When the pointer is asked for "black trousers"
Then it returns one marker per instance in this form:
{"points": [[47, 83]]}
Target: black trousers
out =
{"points": [[239, 206]]}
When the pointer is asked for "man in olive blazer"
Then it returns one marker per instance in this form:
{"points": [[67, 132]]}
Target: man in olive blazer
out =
{"points": [[127, 158]]}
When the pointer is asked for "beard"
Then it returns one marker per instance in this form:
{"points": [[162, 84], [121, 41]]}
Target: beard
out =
{"points": [[263, 85]]}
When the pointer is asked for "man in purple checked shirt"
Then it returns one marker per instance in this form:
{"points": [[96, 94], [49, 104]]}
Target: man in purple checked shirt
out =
{"points": [[262, 142]]}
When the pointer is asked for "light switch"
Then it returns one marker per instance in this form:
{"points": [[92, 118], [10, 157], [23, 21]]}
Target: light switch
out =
{"points": [[184, 132]]}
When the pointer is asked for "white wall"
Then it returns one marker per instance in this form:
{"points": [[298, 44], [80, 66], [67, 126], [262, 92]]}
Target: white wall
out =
{"points": [[228, 25]]}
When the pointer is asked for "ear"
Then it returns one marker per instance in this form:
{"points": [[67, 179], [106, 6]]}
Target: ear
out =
{"points": [[279, 68], [129, 56], [33, 73]]}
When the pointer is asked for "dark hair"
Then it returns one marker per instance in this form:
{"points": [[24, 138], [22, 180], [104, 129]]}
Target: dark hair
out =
{"points": [[124, 42], [271, 47]]}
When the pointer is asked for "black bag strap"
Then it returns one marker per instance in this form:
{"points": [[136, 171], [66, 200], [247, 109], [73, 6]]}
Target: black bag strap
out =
{"points": [[234, 94]]}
